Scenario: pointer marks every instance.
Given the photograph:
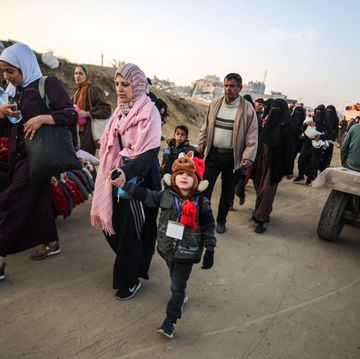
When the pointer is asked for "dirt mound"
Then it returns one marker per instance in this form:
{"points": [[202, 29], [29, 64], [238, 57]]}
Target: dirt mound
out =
{"points": [[181, 110]]}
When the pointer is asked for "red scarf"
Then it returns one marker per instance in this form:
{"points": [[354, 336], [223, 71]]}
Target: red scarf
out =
{"points": [[188, 214]]}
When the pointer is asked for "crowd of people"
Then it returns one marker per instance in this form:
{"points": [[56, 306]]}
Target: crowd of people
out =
{"points": [[240, 139]]}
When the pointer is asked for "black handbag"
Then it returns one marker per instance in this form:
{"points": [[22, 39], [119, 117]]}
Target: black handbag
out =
{"points": [[51, 152]]}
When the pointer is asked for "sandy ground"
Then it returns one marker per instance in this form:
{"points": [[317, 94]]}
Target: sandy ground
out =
{"points": [[284, 294]]}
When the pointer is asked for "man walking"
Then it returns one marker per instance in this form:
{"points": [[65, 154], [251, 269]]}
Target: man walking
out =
{"points": [[228, 140]]}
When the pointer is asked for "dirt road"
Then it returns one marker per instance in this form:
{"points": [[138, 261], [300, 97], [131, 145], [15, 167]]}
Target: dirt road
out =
{"points": [[284, 294]]}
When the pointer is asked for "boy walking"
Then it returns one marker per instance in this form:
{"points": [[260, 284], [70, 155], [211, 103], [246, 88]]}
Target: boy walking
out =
{"points": [[186, 226], [176, 145]]}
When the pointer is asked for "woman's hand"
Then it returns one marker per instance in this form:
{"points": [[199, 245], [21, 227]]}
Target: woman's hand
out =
{"points": [[9, 109], [83, 113], [31, 126]]}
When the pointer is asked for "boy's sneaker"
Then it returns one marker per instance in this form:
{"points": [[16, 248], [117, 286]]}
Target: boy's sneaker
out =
{"points": [[127, 293], [2, 271], [43, 251], [308, 182], [186, 299], [167, 329]]}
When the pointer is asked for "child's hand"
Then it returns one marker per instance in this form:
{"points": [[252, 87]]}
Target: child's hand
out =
{"points": [[117, 177], [208, 259]]}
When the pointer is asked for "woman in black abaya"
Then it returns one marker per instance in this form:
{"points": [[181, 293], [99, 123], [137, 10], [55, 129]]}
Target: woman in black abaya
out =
{"points": [[273, 161]]}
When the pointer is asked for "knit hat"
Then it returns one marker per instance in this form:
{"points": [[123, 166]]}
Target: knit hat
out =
{"points": [[193, 165], [200, 167], [185, 163]]}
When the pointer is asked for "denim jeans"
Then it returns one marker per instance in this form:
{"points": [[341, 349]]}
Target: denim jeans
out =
{"points": [[179, 275]]}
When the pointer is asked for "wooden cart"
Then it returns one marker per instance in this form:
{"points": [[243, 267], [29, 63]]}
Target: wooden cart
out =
{"points": [[343, 204]]}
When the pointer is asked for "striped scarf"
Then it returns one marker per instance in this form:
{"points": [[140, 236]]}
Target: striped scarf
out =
{"points": [[138, 82]]}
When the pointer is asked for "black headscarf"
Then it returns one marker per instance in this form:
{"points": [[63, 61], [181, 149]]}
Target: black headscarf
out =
{"points": [[332, 120], [297, 119], [319, 118], [249, 98], [279, 115], [267, 105]]}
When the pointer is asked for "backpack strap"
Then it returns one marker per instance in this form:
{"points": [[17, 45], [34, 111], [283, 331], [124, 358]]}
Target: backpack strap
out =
{"points": [[42, 92]]}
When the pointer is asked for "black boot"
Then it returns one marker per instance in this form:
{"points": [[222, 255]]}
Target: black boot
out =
{"points": [[260, 228]]}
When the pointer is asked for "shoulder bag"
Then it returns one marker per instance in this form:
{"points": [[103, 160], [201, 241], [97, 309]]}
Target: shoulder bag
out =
{"points": [[97, 125], [51, 151]]}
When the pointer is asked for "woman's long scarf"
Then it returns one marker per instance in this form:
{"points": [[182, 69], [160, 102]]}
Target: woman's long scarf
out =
{"points": [[81, 94], [140, 131]]}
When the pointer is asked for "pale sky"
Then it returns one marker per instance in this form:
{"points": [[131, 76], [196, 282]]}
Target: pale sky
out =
{"points": [[310, 48]]}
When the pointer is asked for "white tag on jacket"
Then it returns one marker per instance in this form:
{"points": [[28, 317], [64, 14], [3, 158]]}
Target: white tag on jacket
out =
{"points": [[175, 230]]}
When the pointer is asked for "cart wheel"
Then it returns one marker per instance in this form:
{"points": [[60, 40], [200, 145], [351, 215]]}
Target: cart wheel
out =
{"points": [[331, 222]]}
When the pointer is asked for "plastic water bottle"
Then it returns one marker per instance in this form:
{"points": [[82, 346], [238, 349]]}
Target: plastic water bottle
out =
{"points": [[4, 100]]}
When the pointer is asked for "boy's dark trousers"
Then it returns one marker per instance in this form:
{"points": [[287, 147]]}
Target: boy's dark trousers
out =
{"points": [[179, 275]]}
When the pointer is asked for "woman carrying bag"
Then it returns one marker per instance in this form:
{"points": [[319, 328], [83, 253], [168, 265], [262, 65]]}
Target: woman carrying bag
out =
{"points": [[129, 148], [93, 109], [26, 212]]}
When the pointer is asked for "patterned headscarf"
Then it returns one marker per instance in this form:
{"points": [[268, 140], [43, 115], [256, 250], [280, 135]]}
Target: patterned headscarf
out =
{"points": [[22, 57], [138, 82]]}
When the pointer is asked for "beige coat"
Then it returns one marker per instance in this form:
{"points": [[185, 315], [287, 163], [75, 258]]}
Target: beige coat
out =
{"points": [[245, 132]]}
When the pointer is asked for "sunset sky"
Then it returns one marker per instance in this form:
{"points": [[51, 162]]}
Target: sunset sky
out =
{"points": [[311, 49]]}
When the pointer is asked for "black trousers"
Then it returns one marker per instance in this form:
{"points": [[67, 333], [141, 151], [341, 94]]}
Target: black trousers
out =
{"points": [[179, 275], [215, 164], [133, 254]]}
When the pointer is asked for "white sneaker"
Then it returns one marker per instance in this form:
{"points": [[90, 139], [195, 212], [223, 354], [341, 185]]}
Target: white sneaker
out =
{"points": [[127, 293], [186, 299]]}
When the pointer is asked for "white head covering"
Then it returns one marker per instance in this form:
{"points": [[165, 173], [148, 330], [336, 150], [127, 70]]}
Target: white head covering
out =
{"points": [[21, 56]]}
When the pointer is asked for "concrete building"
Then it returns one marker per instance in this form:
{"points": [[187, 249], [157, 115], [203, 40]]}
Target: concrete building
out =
{"points": [[211, 87]]}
